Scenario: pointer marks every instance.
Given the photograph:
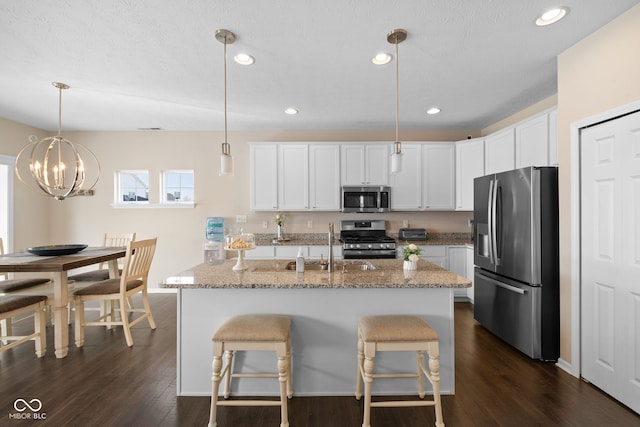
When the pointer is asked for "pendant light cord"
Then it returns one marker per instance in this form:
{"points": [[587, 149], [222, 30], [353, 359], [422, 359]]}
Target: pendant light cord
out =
{"points": [[225, 90], [397, 90]]}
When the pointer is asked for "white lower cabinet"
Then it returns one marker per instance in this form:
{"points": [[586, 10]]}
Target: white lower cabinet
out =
{"points": [[260, 252], [457, 259], [290, 252], [458, 263]]}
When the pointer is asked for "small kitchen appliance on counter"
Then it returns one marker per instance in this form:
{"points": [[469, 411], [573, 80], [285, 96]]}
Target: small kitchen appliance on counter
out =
{"points": [[366, 239], [412, 234]]}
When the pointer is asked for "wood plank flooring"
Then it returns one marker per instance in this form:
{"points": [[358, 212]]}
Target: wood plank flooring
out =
{"points": [[108, 384]]}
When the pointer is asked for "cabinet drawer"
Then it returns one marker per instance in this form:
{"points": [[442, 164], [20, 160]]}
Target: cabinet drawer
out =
{"points": [[433, 251]]}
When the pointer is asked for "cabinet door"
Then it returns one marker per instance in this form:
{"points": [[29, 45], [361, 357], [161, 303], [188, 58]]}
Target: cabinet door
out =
{"points": [[458, 264], [499, 152], [553, 138], [438, 176], [352, 164], [435, 254], [264, 177], [324, 177], [469, 165], [293, 177], [376, 164], [532, 142], [470, 272], [290, 252], [260, 252], [406, 185]]}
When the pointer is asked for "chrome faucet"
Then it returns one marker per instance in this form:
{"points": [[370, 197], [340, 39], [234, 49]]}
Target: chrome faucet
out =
{"points": [[330, 257]]}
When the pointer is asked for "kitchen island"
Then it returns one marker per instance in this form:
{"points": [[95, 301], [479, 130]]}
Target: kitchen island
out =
{"points": [[324, 308]]}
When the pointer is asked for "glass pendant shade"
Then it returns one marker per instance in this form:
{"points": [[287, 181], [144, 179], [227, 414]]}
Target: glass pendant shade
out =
{"points": [[396, 158], [226, 161], [57, 167]]}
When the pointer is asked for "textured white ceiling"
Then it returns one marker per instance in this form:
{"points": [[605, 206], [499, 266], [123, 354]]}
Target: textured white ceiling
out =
{"points": [[155, 63]]}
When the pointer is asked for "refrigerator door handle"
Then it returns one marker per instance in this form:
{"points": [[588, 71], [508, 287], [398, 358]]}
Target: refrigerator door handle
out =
{"points": [[505, 286], [496, 223], [490, 221]]}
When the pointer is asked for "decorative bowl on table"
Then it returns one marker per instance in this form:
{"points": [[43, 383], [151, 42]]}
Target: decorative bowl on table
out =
{"points": [[240, 242], [56, 250]]}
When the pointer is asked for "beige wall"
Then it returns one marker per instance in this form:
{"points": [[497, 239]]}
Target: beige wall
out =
{"points": [[597, 74], [181, 231], [31, 219]]}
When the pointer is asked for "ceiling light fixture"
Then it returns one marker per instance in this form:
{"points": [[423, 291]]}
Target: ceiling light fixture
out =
{"points": [[433, 110], [58, 166], [291, 111], [396, 36], [551, 16], [243, 59], [226, 161], [381, 59]]}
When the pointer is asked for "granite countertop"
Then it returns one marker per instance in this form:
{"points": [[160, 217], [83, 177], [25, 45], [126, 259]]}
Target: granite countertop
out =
{"points": [[320, 239], [388, 273]]}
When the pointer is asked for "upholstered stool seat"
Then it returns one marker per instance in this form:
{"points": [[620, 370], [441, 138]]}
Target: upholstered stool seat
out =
{"points": [[15, 305], [245, 333], [397, 333]]}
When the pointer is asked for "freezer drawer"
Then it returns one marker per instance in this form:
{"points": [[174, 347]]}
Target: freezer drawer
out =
{"points": [[511, 310]]}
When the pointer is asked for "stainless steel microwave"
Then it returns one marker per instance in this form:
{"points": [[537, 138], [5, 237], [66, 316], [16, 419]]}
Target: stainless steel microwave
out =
{"points": [[366, 198]]}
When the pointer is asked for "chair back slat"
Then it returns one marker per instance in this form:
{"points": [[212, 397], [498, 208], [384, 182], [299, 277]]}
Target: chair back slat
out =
{"points": [[116, 239], [137, 261]]}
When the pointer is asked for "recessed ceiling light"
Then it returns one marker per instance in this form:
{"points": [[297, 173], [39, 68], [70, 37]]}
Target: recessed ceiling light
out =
{"points": [[551, 16], [381, 59], [433, 110], [291, 111], [243, 59]]}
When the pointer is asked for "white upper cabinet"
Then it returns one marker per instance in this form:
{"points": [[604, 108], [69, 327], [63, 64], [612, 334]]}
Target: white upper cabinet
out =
{"points": [[532, 142], [293, 177], [469, 165], [324, 177], [438, 176], [364, 164], [406, 185], [427, 178], [499, 154], [264, 177]]}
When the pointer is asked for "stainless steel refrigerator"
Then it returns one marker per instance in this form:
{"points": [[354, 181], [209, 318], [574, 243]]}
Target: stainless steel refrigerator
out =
{"points": [[516, 281]]}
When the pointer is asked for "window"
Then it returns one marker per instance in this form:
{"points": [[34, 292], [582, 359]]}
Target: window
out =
{"points": [[177, 186], [132, 186]]}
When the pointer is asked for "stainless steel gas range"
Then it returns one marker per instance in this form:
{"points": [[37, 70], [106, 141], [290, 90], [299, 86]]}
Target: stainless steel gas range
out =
{"points": [[366, 239]]}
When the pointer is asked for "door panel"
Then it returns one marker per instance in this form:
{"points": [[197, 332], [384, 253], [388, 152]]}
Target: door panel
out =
{"points": [[610, 251]]}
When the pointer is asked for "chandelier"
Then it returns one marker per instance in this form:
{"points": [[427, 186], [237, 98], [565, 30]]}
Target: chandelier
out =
{"points": [[395, 37], [226, 161], [57, 166]]}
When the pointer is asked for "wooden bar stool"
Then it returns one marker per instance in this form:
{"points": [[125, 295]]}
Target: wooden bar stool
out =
{"points": [[397, 333], [245, 333]]}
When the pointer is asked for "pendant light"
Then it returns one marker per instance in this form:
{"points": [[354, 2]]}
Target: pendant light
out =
{"points": [[226, 161], [59, 167], [395, 37]]}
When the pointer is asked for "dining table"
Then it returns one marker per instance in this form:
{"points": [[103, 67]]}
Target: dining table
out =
{"points": [[58, 266]]}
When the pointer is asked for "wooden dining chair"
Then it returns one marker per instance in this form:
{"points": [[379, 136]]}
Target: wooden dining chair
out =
{"points": [[17, 305], [102, 273], [15, 286], [133, 280]]}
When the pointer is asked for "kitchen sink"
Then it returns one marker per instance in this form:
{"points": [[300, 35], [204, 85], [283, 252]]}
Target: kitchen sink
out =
{"points": [[338, 266]]}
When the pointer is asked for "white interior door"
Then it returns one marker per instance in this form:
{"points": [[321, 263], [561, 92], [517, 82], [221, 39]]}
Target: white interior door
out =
{"points": [[610, 250]]}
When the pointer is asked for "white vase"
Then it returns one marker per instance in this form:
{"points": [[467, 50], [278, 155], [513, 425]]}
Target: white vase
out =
{"points": [[410, 265]]}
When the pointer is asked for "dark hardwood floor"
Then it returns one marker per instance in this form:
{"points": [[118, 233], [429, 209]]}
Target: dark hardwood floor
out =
{"points": [[108, 384]]}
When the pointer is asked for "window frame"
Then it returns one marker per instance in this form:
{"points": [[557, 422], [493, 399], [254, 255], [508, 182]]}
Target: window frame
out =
{"points": [[119, 190], [164, 189]]}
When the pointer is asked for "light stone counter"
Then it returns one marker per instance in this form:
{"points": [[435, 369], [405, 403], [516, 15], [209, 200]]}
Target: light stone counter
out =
{"points": [[388, 273], [324, 309]]}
